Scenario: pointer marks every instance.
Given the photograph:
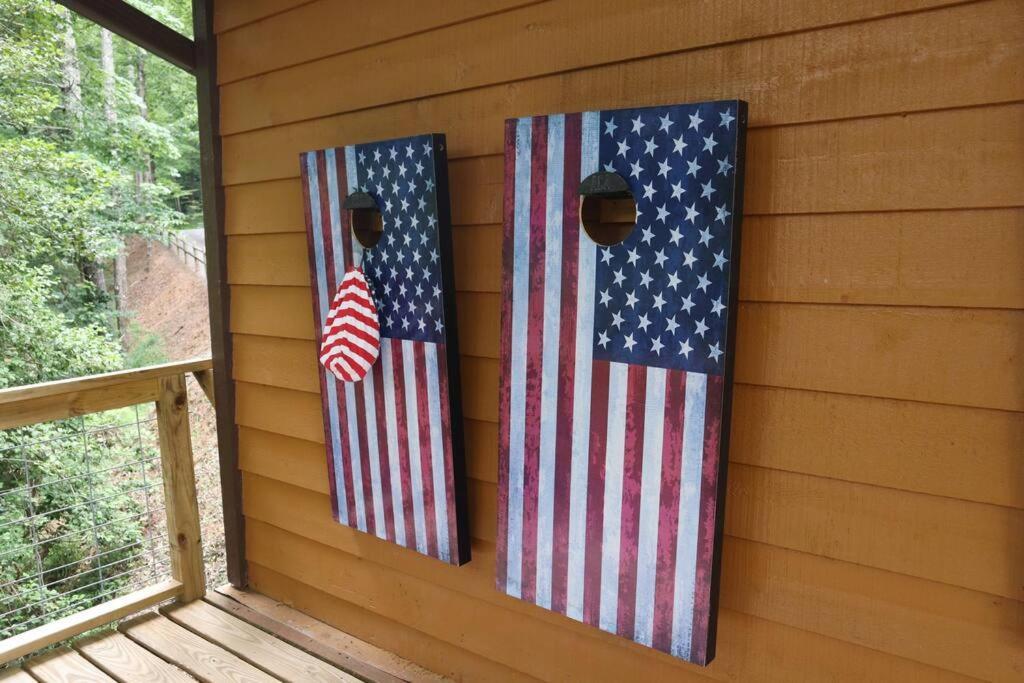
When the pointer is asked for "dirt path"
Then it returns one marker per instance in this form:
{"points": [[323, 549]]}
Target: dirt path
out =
{"points": [[168, 300]]}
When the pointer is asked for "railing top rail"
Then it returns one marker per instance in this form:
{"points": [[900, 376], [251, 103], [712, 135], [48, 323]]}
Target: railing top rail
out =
{"points": [[80, 384]]}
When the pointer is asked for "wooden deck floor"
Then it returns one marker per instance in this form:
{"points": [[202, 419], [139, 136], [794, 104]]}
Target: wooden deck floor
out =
{"points": [[229, 636]]}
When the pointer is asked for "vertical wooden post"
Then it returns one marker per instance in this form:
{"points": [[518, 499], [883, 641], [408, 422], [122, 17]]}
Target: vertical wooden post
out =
{"points": [[180, 500]]}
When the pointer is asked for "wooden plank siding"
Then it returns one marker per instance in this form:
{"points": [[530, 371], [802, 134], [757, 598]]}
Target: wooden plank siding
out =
{"points": [[875, 506]]}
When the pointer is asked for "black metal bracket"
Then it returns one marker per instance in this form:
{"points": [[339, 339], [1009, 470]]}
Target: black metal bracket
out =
{"points": [[359, 200], [605, 184]]}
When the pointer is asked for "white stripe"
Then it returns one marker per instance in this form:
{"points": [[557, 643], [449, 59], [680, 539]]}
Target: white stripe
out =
{"points": [[373, 451], [391, 423], [352, 338], [517, 369], [354, 453], [589, 148], [332, 387], [618, 384], [412, 424], [357, 289], [689, 512], [549, 356], [437, 453], [650, 505], [339, 366], [352, 180]]}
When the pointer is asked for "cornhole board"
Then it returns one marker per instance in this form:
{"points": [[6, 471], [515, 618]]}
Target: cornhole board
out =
{"points": [[616, 367], [394, 439]]}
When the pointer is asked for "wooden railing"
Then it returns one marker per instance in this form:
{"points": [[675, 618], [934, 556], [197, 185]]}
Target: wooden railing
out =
{"points": [[165, 385]]}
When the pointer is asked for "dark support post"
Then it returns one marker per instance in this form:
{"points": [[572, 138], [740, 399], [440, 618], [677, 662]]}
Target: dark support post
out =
{"points": [[217, 287]]}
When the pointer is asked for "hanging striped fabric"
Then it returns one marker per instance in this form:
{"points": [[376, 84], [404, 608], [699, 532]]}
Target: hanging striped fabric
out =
{"points": [[351, 336]]}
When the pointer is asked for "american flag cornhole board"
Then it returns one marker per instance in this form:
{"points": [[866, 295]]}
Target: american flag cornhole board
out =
{"points": [[616, 367], [394, 439]]}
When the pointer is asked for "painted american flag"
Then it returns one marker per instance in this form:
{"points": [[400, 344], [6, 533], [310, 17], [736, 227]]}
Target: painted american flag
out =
{"points": [[614, 370], [394, 439]]}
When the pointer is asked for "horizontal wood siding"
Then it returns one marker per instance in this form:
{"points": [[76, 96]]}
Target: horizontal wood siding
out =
{"points": [[875, 510]]}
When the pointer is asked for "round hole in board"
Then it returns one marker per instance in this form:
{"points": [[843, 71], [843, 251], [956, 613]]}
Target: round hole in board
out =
{"points": [[365, 219], [607, 208]]}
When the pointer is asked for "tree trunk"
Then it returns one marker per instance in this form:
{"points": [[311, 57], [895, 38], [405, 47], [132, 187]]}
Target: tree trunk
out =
{"points": [[148, 172], [121, 293], [109, 76], [71, 87]]}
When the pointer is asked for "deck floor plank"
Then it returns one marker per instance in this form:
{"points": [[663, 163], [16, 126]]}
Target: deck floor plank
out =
{"points": [[253, 644], [13, 674], [127, 661], [64, 666], [201, 658]]}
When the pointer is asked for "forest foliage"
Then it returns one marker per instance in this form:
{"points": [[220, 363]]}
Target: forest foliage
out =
{"points": [[98, 142]]}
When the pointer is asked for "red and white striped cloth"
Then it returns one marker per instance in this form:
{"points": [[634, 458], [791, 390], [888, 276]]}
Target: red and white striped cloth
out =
{"points": [[351, 337]]}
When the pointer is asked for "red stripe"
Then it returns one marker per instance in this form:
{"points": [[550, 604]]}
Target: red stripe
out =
{"points": [[426, 450], [668, 514], [382, 449], [708, 509], [632, 479], [331, 282], [595, 492], [317, 316], [364, 458], [534, 351], [504, 391], [566, 361], [344, 316], [402, 422], [449, 474], [346, 232]]}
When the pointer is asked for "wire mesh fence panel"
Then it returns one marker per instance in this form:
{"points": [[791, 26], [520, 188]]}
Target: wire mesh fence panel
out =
{"points": [[81, 515]]}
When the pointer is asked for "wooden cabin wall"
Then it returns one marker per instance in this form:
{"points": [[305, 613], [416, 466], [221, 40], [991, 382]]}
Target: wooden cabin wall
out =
{"points": [[875, 510]]}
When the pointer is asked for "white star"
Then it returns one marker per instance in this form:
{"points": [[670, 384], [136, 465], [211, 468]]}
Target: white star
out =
{"points": [[689, 259], [609, 127], [649, 190], [393, 153], [664, 168], [633, 256], [427, 149], [376, 155], [722, 213], [422, 324], [687, 303], [675, 235], [648, 235], [717, 306], [659, 301], [677, 190], [691, 212], [419, 168], [437, 291], [720, 260], [370, 173], [617, 320], [386, 172], [714, 352], [638, 125], [685, 348], [623, 148], [438, 325], [672, 325], [628, 343], [705, 236], [631, 299], [727, 117], [662, 213], [421, 203], [603, 339], [635, 169], [666, 122], [405, 205], [428, 308], [678, 145], [416, 257], [409, 151], [606, 255], [650, 146], [402, 290], [610, 167], [405, 323], [387, 289], [394, 187], [408, 273], [407, 239], [644, 322], [605, 297], [415, 223], [703, 282], [362, 158], [619, 277], [693, 167], [709, 144], [701, 328], [430, 184], [657, 346], [431, 220], [646, 279], [433, 255], [673, 280], [660, 258], [724, 166], [401, 170], [695, 120], [387, 207], [707, 190]]}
